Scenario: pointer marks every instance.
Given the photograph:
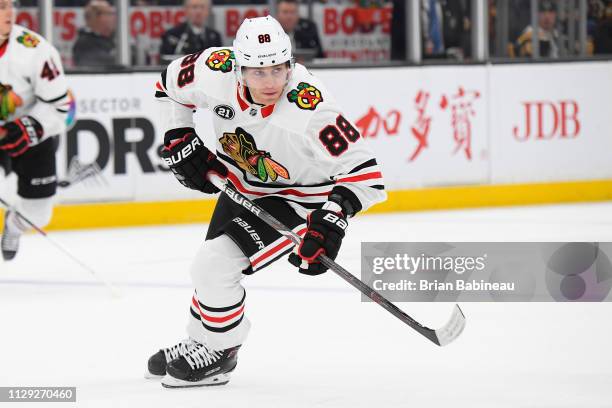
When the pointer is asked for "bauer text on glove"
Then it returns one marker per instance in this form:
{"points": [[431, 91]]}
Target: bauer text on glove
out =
{"points": [[190, 161]]}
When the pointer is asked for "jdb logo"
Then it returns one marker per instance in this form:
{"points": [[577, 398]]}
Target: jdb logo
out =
{"points": [[544, 120]]}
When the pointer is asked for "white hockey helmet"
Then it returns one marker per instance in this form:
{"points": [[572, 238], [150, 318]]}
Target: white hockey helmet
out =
{"points": [[261, 42]]}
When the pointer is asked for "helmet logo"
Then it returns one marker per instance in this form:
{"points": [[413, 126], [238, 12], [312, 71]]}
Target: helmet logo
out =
{"points": [[305, 96], [221, 60]]}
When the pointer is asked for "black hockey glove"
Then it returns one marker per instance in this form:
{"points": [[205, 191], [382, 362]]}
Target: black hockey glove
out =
{"points": [[18, 136], [324, 235], [190, 161]]}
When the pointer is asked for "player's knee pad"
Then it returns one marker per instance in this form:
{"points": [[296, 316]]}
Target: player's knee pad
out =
{"points": [[37, 210], [218, 265]]}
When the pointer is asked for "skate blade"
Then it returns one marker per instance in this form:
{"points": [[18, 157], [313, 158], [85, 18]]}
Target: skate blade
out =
{"points": [[149, 376], [171, 382]]}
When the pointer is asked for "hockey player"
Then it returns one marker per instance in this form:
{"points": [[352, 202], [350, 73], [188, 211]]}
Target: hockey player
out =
{"points": [[282, 141], [33, 107]]}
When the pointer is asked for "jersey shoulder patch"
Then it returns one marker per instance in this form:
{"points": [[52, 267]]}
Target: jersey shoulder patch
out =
{"points": [[305, 96], [221, 60], [28, 40]]}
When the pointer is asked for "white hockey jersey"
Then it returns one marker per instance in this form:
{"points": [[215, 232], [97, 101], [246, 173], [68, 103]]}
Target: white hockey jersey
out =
{"points": [[300, 149], [32, 81]]}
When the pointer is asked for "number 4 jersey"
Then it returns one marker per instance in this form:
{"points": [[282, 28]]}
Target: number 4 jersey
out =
{"points": [[301, 149], [32, 81]]}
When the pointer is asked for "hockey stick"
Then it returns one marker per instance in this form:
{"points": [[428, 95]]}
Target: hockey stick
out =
{"points": [[441, 336], [114, 292]]}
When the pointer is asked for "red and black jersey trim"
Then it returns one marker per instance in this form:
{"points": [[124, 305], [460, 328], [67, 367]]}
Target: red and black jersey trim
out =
{"points": [[361, 173], [3, 48], [364, 165], [310, 206], [163, 78], [52, 100]]}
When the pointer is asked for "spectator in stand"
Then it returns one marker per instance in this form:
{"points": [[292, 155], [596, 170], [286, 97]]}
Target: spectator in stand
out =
{"points": [[602, 33], [547, 33], [398, 30], [456, 28], [445, 25], [433, 36], [95, 45], [191, 36], [303, 32]]}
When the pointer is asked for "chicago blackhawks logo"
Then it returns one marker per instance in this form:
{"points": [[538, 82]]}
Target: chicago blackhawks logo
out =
{"points": [[305, 96], [28, 40], [9, 101], [221, 60], [241, 147]]}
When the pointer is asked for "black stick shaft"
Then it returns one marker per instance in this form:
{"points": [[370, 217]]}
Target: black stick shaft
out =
{"points": [[331, 264]]}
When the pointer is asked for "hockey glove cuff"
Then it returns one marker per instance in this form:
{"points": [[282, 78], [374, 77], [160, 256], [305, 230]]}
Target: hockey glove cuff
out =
{"points": [[325, 231], [18, 136], [190, 161]]}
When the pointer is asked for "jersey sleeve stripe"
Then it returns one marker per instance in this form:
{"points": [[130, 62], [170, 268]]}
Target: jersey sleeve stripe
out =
{"points": [[369, 163], [53, 100], [362, 177]]}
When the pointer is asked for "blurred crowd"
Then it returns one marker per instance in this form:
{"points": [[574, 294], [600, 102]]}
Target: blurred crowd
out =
{"points": [[446, 28]]}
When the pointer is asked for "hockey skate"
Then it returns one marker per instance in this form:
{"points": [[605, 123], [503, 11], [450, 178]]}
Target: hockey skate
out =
{"points": [[200, 366], [9, 241], [156, 367]]}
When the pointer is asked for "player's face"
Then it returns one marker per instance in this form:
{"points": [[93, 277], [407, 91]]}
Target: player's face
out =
{"points": [[7, 11], [266, 84]]}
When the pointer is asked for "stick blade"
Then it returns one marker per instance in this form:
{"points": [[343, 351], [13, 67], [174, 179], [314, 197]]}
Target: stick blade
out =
{"points": [[451, 330]]}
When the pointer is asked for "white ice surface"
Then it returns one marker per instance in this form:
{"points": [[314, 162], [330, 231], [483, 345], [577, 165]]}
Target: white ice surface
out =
{"points": [[313, 342]]}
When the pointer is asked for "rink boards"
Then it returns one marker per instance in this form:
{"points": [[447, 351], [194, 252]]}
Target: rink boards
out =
{"points": [[446, 137]]}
